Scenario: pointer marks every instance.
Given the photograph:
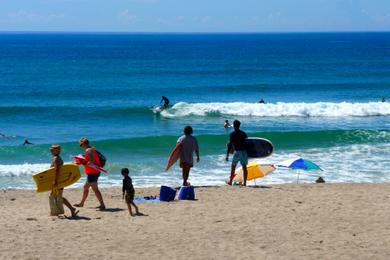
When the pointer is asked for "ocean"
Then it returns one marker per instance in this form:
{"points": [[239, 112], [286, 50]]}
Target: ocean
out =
{"points": [[322, 91]]}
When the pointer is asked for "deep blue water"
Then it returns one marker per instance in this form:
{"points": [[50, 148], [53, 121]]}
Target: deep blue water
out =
{"points": [[56, 88]]}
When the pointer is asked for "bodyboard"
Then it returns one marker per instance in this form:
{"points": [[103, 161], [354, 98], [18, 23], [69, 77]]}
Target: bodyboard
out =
{"points": [[69, 174]]}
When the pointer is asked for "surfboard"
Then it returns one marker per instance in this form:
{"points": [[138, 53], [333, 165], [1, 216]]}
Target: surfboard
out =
{"points": [[69, 174], [258, 147], [174, 156], [158, 109]]}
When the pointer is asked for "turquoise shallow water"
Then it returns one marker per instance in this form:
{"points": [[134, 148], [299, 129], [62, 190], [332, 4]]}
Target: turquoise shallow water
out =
{"points": [[322, 95]]}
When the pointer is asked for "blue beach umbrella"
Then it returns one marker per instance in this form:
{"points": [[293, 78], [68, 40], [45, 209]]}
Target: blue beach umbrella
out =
{"points": [[299, 164]]}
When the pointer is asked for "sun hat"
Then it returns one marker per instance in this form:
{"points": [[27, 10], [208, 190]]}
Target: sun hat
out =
{"points": [[83, 141]]}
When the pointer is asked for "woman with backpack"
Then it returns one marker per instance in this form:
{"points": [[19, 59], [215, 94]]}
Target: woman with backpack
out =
{"points": [[92, 158]]}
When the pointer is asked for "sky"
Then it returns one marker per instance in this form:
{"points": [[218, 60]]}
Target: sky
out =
{"points": [[195, 15]]}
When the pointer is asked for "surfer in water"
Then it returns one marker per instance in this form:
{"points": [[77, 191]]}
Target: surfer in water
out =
{"points": [[237, 143], [261, 101], [227, 125], [166, 102], [27, 142]]}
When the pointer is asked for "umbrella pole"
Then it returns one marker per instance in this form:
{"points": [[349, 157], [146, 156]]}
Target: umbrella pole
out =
{"points": [[297, 176]]}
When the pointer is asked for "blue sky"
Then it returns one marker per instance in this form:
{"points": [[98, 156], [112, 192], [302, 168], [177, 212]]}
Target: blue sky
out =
{"points": [[195, 15]]}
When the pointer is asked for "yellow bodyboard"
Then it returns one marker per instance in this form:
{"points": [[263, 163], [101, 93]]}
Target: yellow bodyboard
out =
{"points": [[69, 174]]}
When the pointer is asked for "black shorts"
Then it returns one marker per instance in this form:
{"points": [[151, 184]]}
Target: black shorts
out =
{"points": [[129, 196], [93, 177]]}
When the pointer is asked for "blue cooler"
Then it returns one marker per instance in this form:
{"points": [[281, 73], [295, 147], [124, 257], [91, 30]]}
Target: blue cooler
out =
{"points": [[167, 193], [187, 193]]}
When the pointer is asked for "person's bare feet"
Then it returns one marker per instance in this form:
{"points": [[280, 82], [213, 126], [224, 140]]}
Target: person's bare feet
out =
{"points": [[74, 213], [79, 205], [101, 207]]}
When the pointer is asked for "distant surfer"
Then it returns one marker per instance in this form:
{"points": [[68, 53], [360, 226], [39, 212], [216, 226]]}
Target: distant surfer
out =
{"points": [[93, 174], [189, 146], [227, 125], [6, 136], [166, 102], [383, 99], [57, 161], [261, 101], [27, 142], [237, 142]]}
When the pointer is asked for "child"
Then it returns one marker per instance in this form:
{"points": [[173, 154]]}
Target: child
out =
{"points": [[129, 190], [55, 150]]}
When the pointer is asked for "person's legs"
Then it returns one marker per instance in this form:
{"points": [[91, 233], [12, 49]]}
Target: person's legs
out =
{"points": [[245, 171], [244, 163], [186, 174], [136, 208], [236, 158], [94, 186], [232, 173], [85, 195], [72, 209], [130, 210]]}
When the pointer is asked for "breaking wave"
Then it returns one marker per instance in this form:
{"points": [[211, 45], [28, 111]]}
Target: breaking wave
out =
{"points": [[280, 109]]}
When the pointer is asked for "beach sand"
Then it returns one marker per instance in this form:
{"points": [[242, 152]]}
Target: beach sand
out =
{"points": [[306, 221]]}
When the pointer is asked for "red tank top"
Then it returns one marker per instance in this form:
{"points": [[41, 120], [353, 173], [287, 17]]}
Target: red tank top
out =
{"points": [[88, 169]]}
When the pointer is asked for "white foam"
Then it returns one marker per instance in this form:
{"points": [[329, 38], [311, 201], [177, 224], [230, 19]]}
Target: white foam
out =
{"points": [[349, 163], [280, 109], [26, 169]]}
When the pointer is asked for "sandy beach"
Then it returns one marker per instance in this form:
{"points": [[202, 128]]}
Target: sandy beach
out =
{"points": [[307, 221]]}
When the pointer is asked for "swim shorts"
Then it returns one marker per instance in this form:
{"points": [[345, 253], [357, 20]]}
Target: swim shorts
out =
{"points": [[93, 177], [240, 156], [186, 164], [129, 197]]}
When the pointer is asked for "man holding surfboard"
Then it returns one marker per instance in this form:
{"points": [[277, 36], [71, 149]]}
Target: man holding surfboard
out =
{"points": [[237, 142], [189, 144]]}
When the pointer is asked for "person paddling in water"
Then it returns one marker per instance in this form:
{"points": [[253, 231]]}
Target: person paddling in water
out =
{"points": [[27, 142], [166, 102], [92, 173]]}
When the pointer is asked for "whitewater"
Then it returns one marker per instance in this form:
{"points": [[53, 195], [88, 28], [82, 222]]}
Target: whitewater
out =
{"points": [[279, 109]]}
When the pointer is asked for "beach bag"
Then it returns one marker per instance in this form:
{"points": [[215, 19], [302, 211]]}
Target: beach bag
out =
{"points": [[186, 193], [56, 204], [102, 158], [167, 193]]}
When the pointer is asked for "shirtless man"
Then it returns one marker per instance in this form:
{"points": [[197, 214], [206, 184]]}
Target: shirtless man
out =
{"points": [[237, 142]]}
